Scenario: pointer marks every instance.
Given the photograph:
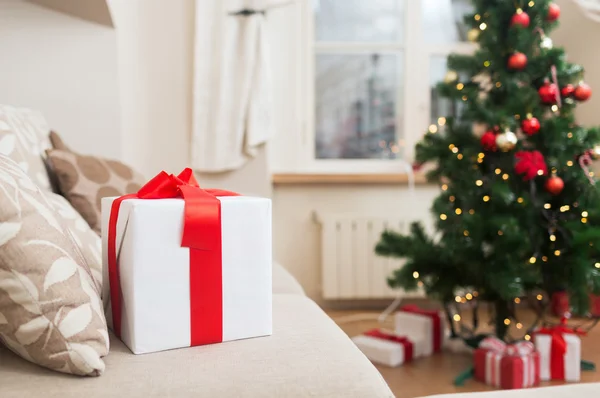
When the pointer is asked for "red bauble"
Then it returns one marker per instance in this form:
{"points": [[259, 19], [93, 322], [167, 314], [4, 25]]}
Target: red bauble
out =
{"points": [[530, 126], [517, 61], [531, 164], [548, 93], [554, 185], [582, 92], [488, 141], [553, 12], [567, 90], [520, 18]]}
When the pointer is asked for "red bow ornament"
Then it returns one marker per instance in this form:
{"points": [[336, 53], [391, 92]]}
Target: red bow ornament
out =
{"points": [[530, 164], [156, 255]]}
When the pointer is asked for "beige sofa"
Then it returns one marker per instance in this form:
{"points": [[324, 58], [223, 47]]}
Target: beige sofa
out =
{"points": [[307, 356]]}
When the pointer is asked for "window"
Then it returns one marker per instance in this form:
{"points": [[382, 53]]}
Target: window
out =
{"points": [[372, 67]]}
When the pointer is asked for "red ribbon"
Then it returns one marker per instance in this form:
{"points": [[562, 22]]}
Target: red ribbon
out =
{"points": [[408, 345], [558, 347], [437, 323], [201, 234]]}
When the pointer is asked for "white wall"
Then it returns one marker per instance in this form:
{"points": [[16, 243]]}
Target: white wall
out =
{"points": [[66, 68], [155, 46]]}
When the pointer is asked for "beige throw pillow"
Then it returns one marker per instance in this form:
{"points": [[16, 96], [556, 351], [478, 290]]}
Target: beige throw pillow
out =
{"points": [[24, 139], [87, 240], [85, 180], [50, 309]]}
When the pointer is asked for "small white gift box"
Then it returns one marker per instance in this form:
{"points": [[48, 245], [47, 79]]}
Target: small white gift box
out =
{"points": [[385, 348], [560, 356], [425, 327]]}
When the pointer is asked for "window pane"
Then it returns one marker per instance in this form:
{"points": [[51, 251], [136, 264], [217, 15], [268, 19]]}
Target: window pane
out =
{"points": [[441, 107], [356, 100], [358, 20], [443, 20]]}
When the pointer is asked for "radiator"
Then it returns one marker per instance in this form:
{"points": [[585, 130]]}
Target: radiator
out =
{"points": [[350, 267]]}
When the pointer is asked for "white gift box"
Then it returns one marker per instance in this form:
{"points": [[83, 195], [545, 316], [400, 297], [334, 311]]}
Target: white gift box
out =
{"points": [[571, 359], [155, 271], [420, 329], [383, 352]]}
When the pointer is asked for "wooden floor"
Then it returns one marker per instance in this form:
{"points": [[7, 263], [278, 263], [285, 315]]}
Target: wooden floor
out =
{"points": [[435, 375]]}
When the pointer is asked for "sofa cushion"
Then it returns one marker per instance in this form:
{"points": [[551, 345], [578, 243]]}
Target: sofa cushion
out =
{"points": [[86, 239], [50, 309], [284, 282], [24, 138], [307, 356], [85, 180]]}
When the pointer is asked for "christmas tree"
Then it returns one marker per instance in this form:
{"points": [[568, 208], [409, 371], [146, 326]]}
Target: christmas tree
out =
{"points": [[518, 216]]}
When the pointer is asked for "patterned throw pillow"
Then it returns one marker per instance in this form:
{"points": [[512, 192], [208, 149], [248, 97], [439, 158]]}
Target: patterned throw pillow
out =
{"points": [[87, 240], [50, 309], [24, 138], [85, 180]]}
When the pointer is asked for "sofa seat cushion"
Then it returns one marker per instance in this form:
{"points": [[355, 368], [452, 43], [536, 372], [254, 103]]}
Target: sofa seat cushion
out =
{"points": [[284, 282], [566, 391], [307, 356]]}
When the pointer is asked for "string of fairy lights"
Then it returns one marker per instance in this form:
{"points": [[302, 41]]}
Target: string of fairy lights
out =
{"points": [[452, 77]]}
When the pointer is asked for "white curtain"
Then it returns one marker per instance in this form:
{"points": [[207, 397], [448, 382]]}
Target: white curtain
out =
{"points": [[232, 101]]}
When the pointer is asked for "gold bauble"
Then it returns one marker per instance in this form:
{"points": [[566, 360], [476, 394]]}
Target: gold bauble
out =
{"points": [[451, 76], [595, 152], [506, 141], [473, 35]]}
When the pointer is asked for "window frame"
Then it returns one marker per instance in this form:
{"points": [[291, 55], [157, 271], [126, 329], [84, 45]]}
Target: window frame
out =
{"points": [[412, 114]]}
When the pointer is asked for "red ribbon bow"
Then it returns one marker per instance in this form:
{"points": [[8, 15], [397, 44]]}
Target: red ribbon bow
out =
{"points": [[558, 346], [201, 233], [530, 164], [435, 318], [408, 345], [521, 348]]}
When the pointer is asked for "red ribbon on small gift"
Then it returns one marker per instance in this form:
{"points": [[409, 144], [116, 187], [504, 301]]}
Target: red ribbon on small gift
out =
{"points": [[201, 234], [408, 345], [436, 321], [558, 347]]}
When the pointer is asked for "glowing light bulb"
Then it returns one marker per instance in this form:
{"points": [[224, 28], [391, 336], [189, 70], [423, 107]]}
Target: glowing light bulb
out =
{"points": [[456, 317], [483, 26], [507, 321], [415, 275], [479, 183], [517, 300], [443, 217], [486, 198]]}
